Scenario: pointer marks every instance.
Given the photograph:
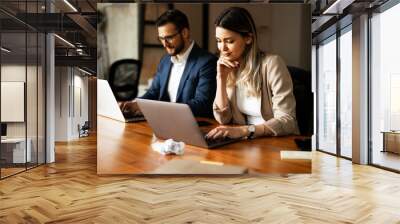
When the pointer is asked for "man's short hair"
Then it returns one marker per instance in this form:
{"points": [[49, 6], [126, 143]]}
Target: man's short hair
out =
{"points": [[175, 17]]}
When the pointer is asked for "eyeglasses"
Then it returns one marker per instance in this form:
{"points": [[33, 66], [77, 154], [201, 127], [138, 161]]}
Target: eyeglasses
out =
{"points": [[168, 38]]}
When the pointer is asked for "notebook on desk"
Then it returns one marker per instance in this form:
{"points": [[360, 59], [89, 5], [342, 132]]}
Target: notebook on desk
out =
{"points": [[176, 121], [108, 106]]}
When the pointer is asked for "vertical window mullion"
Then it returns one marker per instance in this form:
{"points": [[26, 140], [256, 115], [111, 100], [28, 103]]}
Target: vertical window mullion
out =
{"points": [[369, 100], [26, 86], [338, 73], [317, 97]]}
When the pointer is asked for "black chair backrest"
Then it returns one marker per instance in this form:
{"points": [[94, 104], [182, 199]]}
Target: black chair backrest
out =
{"points": [[304, 99], [124, 79], [86, 125]]}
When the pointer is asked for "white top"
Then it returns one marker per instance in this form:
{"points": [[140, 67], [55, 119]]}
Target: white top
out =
{"points": [[249, 105], [178, 66]]}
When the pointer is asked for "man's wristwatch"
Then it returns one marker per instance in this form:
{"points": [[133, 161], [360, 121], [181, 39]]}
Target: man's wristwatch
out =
{"points": [[252, 129]]}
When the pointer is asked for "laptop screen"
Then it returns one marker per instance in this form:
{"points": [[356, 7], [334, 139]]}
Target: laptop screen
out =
{"points": [[3, 129], [107, 105]]}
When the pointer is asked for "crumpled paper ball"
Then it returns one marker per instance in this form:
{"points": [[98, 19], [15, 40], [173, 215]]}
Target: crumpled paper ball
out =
{"points": [[169, 147]]}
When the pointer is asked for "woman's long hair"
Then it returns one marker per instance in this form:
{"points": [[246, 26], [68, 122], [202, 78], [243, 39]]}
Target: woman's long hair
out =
{"points": [[249, 74]]}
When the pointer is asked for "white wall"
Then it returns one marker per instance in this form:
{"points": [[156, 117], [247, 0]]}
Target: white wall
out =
{"points": [[17, 73], [71, 95], [33, 127], [80, 110], [61, 103]]}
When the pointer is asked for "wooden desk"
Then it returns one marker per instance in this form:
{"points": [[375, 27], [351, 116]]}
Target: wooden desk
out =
{"points": [[125, 148]]}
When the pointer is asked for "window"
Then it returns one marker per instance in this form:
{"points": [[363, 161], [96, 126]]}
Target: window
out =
{"points": [[346, 92], [385, 85], [326, 91]]}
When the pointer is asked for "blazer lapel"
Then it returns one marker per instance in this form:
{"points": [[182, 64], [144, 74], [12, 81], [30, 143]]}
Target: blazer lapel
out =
{"points": [[186, 72], [266, 97], [165, 77]]}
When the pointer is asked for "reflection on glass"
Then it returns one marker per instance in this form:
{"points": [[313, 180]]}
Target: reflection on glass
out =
{"points": [[385, 84], [14, 153], [345, 94], [22, 91], [327, 96]]}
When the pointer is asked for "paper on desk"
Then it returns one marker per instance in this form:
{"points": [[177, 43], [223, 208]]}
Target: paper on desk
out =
{"points": [[168, 147], [295, 155]]}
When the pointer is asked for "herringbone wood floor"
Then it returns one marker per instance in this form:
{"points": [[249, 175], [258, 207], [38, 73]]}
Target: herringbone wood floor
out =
{"points": [[69, 191]]}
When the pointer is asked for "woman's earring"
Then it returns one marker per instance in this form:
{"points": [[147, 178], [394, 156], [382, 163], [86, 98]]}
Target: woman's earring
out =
{"points": [[248, 41]]}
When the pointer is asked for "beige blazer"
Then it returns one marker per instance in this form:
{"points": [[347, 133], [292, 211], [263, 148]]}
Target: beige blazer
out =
{"points": [[278, 105]]}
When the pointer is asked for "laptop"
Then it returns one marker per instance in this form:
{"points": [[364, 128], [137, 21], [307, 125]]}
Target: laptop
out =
{"points": [[176, 121], [108, 106], [3, 131]]}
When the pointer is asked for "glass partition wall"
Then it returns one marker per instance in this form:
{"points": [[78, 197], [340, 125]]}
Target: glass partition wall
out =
{"points": [[326, 95], [385, 89], [334, 105], [345, 108], [334, 94], [22, 79]]}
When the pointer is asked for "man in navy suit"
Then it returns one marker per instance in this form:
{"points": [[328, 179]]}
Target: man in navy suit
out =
{"points": [[186, 74]]}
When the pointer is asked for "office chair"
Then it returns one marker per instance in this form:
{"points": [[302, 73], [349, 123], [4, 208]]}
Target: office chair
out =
{"points": [[124, 79], [304, 99], [84, 130]]}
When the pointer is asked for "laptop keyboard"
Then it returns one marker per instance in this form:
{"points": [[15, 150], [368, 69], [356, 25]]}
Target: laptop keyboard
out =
{"points": [[130, 115]]}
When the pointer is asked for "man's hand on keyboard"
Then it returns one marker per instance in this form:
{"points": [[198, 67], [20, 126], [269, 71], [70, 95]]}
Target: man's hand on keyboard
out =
{"points": [[130, 107]]}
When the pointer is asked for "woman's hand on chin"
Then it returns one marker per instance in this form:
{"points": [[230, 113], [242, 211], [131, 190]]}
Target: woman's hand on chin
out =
{"points": [[224, 67]]}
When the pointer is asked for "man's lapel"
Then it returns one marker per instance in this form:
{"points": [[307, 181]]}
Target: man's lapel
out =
{"points": [[187, 71], [165, 76]]}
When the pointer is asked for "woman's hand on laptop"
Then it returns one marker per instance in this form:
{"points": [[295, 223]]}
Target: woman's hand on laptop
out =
{"points": [[227, 131], [130, 107]]}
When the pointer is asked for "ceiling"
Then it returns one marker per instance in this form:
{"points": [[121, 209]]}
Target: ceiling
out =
{"points": [[76, 20], [72, 20]]}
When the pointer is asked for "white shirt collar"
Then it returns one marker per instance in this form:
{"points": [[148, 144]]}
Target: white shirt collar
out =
{"points": [[182, 59]]}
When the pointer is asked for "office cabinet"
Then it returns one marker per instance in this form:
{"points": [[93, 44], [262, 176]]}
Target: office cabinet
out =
{"points": [[13, 151], [391, 141]]}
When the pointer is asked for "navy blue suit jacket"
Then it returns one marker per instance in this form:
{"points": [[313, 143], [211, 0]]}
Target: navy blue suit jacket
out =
{"points": [[197, 85]]}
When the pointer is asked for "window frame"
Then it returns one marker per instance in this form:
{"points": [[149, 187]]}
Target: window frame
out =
{"points": [[346, 27]]}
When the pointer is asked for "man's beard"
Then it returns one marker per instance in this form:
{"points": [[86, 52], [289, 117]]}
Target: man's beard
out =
{"points": [[178, 49]]}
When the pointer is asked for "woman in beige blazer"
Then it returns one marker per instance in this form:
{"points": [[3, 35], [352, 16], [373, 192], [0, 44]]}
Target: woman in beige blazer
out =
{"points": [[254, 90]]}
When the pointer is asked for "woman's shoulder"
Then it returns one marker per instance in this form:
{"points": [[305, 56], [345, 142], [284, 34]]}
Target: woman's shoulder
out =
{"points": [[268, 58]]}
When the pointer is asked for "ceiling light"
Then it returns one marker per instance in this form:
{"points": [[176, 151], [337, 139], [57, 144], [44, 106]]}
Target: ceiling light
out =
{"points": [[84, 71], [70, 5], [5, 50], [65, 41], [337, 7]]}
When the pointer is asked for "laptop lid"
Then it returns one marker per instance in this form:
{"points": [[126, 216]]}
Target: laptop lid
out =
{"points": [[172, 120], [107, 105], [3, 130]]}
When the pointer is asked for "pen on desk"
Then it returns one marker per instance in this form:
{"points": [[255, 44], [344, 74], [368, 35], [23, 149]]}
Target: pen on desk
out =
{"points": [[212, 162]]}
